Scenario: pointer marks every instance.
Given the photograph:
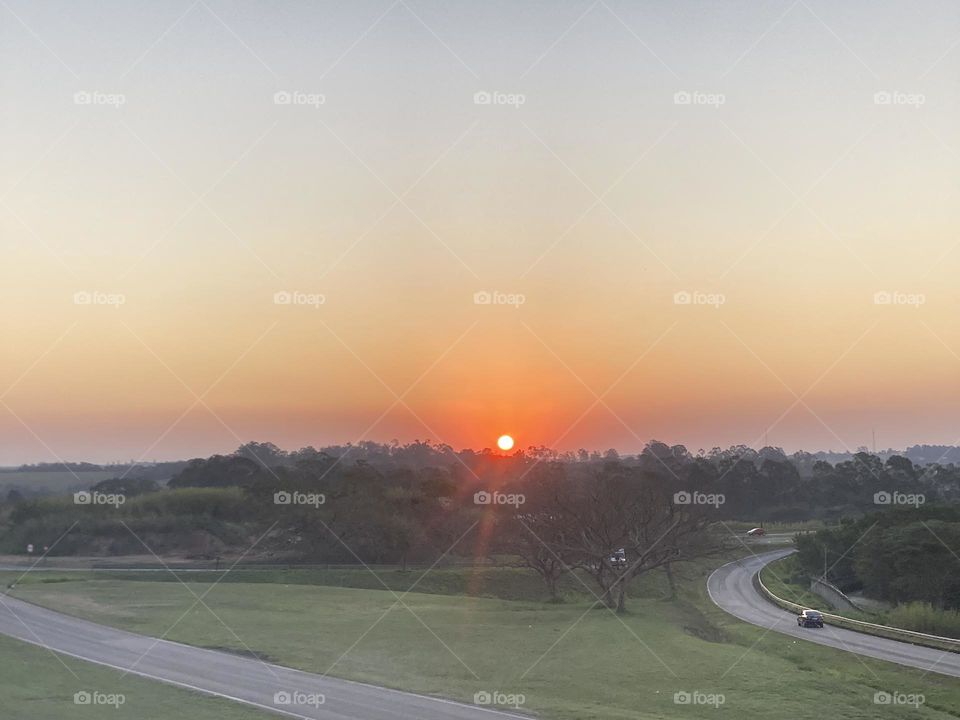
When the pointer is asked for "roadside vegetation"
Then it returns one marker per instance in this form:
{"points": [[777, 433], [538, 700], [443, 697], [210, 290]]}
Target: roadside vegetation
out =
{"points": [[923, 617], [904, 556], [788, 580]]}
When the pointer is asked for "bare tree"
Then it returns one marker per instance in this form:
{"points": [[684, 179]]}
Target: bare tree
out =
{"points": [[620, 522]]}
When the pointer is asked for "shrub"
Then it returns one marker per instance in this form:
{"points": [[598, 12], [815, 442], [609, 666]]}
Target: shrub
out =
{"points": [[924, 617]]}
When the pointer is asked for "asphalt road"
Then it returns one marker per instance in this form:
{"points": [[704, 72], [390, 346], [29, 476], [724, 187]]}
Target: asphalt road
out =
{"points": [[731, 588], [236, 678]]}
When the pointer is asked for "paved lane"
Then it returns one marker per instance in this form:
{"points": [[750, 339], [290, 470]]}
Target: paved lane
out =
{"points": [[236, 678], [731, 588]]}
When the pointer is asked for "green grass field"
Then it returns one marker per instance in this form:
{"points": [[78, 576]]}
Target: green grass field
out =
{"points": [[35, 685], [569, 661]]}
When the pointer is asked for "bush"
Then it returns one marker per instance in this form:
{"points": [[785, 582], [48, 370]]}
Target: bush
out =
{"points": [[923, 617], [189, 520]]}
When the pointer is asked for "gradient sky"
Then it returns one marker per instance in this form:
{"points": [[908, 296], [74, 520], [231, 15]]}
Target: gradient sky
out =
{"points": [[797, 200]]}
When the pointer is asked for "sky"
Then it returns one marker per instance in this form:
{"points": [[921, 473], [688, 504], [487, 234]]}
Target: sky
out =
{"points": [[585, 224]]}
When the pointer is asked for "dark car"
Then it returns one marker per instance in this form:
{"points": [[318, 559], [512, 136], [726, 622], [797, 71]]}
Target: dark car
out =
{"points": [[810, 618]]}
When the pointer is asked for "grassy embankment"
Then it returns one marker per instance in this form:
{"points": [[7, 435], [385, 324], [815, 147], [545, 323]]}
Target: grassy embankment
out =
{"points": [[568, 660], [35, 685]]}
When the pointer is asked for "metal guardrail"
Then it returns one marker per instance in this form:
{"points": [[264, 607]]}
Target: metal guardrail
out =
{"points": [[891, 633]]}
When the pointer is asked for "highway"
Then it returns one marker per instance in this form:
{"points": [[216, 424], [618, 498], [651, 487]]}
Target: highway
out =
{"points": [[731, 588], [241, 679]]}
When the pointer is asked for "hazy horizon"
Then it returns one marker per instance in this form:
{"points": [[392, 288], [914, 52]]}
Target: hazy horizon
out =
{"points": [[489, 448], [710, 222]]}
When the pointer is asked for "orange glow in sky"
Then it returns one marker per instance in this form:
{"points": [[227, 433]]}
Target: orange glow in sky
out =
{"points": [[770, 259]]}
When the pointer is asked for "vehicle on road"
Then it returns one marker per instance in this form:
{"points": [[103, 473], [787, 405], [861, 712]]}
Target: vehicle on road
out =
{"points": [[619, 557], [756, 532], [810, 618]]}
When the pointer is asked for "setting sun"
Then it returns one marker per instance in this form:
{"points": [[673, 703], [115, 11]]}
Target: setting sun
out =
{"points": [[505, 442]]}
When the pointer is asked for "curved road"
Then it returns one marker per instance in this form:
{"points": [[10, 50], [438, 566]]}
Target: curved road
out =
{"points": [[228, 676], [731, 588]]}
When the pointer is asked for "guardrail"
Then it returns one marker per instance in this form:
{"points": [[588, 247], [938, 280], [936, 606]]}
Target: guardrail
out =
{"points": [[891, 633]]}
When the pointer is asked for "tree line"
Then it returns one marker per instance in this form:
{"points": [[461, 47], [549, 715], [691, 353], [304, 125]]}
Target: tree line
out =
{"points": [[598, 515], [901, 555]]}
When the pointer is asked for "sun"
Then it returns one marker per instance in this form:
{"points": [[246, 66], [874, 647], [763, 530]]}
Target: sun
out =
{"points": [[505, 442]]}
